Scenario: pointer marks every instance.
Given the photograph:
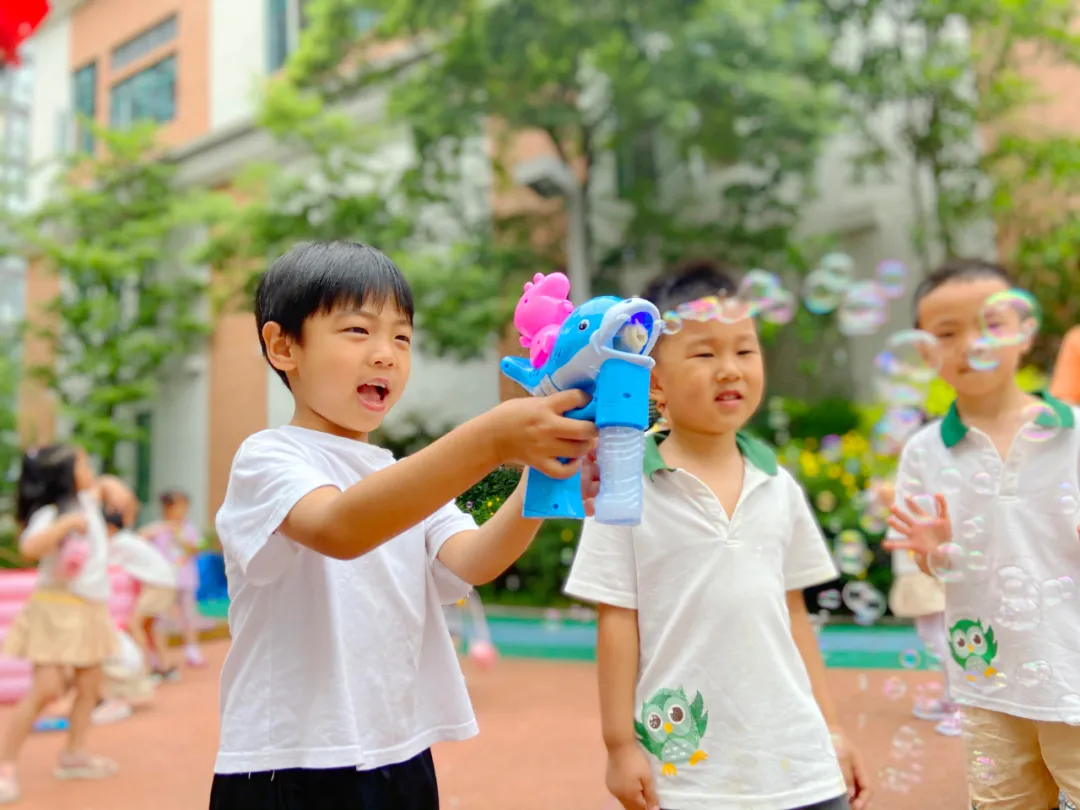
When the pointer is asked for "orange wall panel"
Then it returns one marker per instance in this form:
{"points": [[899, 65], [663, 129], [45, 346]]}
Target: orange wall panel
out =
{"points": [[100, 26], [36, 407]]}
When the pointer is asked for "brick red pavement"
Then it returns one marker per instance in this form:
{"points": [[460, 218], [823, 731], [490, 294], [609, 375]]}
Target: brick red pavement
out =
{"points": [[539, 746]]}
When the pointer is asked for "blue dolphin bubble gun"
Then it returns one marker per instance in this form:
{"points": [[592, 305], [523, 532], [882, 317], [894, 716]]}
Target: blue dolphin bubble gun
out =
{"points": [[602, 348]]}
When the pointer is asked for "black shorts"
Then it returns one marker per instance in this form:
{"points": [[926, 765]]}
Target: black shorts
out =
{"points": [[408, 785], [839, 803]]}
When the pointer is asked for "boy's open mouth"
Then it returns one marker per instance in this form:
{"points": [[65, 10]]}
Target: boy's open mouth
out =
{"points": [[373, 394], [729, 396]]}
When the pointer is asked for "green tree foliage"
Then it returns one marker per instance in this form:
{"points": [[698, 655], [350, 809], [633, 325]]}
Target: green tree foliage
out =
{"points": [[942, 92], [126, 309], [694, 125]]}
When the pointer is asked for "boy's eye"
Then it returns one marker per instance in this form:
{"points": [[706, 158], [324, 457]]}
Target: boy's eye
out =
{"points": [[747, 351], [358, 330], [703, 354], [404, 338]]}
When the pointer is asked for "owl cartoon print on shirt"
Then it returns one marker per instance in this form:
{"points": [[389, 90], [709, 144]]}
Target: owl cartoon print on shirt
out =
{"points": [[974, 648], [671, 728]]}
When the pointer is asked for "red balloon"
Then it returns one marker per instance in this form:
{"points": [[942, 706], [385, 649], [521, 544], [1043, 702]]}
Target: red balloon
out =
{"points": [[18, 19]]}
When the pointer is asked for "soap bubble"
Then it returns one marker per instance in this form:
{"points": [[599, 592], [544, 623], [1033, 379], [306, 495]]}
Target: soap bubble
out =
{"points": [[892, 277], [1056, 591], [927, 694], [894, 780], [983, 484], [829, 600], [1021, 600], [1034, 673], [733, 310], [946, 562], [894, 688], [825, 501], [1041, 423], [976, 560], [758, 289], [951, 481], [892, 431], [982, 767], [906, 743], [832, 448], [1009, 318], [1068, 498], [863, 310], [972, 527], [982, 355], [840, 265], [865, 601], [911, 355], [822, 291], [852, 555], [672, 323], [900, 393], [983, 677], [1068, 708], [781, 309], [910, 659]]}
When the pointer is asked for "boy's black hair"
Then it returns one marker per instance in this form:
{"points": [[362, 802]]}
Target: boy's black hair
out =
{"points": [[47, 478], [172, 496], [114, 519], [318, 277], [958, 270], [688, 282]]}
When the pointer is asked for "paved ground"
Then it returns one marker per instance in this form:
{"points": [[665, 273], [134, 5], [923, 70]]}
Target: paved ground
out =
{"points": [[539, 746]]}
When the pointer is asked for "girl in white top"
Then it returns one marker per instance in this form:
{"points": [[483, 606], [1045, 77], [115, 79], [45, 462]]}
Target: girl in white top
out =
{"points": [[66, 622]]}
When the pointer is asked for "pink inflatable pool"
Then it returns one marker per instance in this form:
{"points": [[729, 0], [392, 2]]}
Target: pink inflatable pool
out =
{"points": [[15, 589]]}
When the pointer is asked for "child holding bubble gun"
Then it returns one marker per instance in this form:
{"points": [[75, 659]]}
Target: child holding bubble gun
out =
{"points": [[987, 503], [600, 348]]}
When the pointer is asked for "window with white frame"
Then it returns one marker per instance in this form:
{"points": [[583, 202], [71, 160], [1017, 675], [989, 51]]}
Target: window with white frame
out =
{"points": [[286, 19]]}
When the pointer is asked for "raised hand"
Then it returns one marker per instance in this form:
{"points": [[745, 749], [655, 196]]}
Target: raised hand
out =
{"points": [[922, 532]]}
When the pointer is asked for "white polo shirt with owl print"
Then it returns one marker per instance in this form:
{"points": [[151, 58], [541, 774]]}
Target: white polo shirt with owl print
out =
{"points": [[723, 703], [1011, 604]]}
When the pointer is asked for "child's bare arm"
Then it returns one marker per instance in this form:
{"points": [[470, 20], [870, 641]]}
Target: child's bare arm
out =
{"points": [[617, 649], [480, 555], [37, 545], [349, 524]]}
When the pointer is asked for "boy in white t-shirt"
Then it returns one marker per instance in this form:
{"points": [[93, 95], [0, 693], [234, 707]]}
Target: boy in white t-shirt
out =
{"points": [[987, 501], [712, 686], [341, 673]]}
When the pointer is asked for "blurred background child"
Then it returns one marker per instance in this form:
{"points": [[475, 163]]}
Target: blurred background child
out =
{"points": [[178, 539]]}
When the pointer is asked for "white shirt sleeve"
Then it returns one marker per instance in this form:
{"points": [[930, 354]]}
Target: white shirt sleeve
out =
{"points": [[268, 478], [807, 561], [40, 520], [439, 528], [605, 568]]}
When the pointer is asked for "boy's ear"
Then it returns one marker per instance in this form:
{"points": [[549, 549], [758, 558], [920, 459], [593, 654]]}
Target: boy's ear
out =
{"points": [[656, 391], [279, 347]]}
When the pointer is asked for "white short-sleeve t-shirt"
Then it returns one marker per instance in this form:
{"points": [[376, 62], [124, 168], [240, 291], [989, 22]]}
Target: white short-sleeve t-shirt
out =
{"points": [[1011, 604], [724, 705], [333, 663], [141, 560], [92, 583]]}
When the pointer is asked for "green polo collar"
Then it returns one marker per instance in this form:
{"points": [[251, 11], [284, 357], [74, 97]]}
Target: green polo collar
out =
{"points": [[953, 428], [756, 452]]}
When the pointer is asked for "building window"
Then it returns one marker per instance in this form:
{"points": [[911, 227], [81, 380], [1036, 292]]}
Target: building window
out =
{"points": [[287, 19], [144, 422], [85, 102], [149, 94], [146, 42]]}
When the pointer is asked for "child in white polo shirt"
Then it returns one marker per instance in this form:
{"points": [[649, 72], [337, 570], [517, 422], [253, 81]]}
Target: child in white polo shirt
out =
{"points": [[986, 500], [342, 674], [712, 687]]}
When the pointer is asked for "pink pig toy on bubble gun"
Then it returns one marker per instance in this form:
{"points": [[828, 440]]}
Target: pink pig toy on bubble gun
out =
{"points": [[601, 348]]}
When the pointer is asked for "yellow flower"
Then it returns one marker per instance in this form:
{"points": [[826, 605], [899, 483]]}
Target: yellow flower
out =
{"points": [[834, 471], [848, 480]]}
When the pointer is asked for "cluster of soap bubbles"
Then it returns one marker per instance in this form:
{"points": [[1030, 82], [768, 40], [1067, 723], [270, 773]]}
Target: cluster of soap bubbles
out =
{"points": [[861, 307], [912, 358]]}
